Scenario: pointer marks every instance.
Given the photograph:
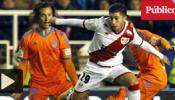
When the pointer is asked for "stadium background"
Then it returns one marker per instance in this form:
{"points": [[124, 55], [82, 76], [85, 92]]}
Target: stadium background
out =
{"points": [[15, 19]]}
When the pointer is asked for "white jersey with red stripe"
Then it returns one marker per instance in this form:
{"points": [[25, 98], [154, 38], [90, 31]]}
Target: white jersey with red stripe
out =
{"points": [[107, 46]]}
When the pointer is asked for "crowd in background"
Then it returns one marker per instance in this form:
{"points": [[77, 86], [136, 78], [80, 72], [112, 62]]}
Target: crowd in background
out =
{"points": [[163, 28]]}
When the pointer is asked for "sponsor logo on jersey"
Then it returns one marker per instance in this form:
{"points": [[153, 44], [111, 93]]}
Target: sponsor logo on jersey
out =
{"points": [[54, 43], [124, 40]]}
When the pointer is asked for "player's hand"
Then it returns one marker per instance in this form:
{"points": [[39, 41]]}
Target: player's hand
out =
{"points": [[165, 60], [17, 96], [172, 48], [52, 20]]}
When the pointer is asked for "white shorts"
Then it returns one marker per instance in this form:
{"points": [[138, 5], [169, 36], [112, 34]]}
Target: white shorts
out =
{"points": [[94, 74]]}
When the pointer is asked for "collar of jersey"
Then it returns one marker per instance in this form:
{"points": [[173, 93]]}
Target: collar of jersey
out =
{"points": [[40, 32]]}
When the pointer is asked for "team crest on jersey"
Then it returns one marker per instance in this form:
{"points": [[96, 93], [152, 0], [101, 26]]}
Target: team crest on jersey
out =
{"points": [[124, 40], [54, 43]]}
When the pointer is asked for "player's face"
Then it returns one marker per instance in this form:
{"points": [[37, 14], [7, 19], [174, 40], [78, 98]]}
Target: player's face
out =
{"points": [[45, 17], [117, 21]]}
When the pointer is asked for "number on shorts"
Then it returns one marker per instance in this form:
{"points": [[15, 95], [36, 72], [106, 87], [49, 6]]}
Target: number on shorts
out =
{"points": [[85, 78]]}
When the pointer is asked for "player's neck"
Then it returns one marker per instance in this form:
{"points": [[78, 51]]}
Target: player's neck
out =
{"points": [[44, 31]]}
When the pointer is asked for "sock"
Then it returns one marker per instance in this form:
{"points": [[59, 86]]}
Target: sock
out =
{"points": [[134, 92]]}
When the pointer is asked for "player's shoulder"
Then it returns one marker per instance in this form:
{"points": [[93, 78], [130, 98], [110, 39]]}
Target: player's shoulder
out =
{"points": [[103, 22], [144, 31], [129, 25], [98, 20], [57, 31], [147, 32], [28, 33], [129, 28], [103, 19]]}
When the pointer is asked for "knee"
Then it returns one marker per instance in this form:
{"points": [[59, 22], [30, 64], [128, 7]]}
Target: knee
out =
{"points": [[128, 79], [132, 81], [80, 95]]}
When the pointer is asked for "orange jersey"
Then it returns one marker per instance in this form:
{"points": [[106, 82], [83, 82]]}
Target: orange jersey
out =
{"points": [[45, 54], [148, 63]]}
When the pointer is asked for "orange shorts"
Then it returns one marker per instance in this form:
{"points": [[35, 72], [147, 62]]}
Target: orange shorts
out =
{"points": [[150, 87], [41, 92]]}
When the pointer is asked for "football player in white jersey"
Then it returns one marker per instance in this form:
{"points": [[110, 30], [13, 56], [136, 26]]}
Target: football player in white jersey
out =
{"points": [[112, 35]]}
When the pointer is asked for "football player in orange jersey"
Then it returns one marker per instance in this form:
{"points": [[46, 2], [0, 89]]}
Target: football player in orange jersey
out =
{"points": [[152, 76], [48, 54]]}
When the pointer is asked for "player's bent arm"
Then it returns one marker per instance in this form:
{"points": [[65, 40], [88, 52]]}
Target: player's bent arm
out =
{"points": [[70, 69], [137, 40]]}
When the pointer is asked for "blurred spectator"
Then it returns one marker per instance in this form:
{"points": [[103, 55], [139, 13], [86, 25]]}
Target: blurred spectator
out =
{"points": [[26, 4], [84, 4], [143, 24], [165, 28], [63, 5], [32, 24], [135, 5], [8, 4], [103, 4], [6, 21], [125, 2]]}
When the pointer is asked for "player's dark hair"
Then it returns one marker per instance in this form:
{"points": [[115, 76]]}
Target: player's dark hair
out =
{"points": [[118, 7], [42, 5]]}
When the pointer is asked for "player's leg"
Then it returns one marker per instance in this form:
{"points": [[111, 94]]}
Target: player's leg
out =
{"points": [[63, 95], [80, 95], [120, 95], [148, 87], [86, 81], [37, 92], [129, 80], [90, 78], [125, 77]]}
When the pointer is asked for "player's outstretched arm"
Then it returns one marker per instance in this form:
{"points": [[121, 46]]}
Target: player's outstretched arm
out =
{"points": [[69, 21]]}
